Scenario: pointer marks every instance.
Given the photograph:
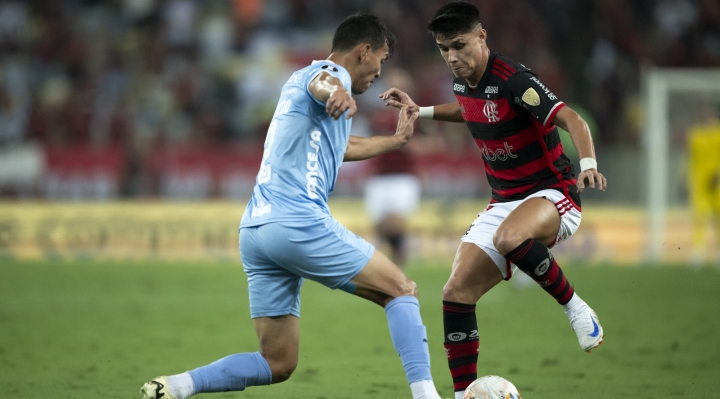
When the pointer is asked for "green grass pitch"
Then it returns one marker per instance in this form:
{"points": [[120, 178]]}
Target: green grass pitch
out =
{"points": [[99, 329]]}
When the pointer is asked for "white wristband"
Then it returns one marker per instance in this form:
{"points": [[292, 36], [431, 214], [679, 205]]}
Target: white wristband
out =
{"points": [[587, 163], [426, 112]]}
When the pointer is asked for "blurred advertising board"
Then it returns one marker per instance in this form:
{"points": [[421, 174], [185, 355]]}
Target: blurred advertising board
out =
{"points": [[209, 230]]}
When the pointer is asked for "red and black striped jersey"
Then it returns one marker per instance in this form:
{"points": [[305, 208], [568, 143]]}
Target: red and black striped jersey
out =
{"points": [[510, 115]]}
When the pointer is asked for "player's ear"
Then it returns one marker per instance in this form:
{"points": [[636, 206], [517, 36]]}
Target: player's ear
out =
{"points": [[482, 34], [363, 51]]}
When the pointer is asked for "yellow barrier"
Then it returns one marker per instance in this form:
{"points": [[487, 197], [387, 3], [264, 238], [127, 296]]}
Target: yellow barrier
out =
{"points": [[185, 230], [125, 229]]}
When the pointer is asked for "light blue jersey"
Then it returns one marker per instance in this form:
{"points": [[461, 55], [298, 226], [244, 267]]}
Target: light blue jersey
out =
{"points": [[287, 233], [304, 149]]}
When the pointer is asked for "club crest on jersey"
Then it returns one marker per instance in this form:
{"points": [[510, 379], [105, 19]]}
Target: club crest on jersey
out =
{"points": [[458, 87], [531, 97], [490, 111]]}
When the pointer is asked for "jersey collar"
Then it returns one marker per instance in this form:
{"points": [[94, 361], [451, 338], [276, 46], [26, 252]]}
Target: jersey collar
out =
{"points": [[486, 74]]}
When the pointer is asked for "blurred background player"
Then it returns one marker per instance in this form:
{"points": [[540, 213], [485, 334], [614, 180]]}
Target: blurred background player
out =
{"points": [[287, 233], [535, 202], [704, 182], [392, 194]]}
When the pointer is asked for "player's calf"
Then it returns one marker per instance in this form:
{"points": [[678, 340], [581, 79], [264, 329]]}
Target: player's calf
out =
{"points": [[462, 344], [535, 260]]}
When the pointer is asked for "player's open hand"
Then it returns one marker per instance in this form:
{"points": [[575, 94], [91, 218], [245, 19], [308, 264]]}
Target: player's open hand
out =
{"points": [[589, 178], [405, 123], [340, 101], [398, 99]]}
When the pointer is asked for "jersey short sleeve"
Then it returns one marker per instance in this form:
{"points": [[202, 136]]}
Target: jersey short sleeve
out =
{"points": [[330, 67], [530, 93]]}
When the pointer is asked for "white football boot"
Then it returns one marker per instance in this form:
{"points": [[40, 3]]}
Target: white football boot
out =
{"points": [[157, 388], [585, 323]]}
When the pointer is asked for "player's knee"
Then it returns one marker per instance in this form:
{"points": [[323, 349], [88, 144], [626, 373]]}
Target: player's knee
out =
{"points": [[452, 292], [281, 371], [406, 287], [448, 292], [505, 240], [282, 361]]}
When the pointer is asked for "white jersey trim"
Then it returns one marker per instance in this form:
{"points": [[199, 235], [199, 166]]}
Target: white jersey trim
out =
{"points": [[551, 112]]}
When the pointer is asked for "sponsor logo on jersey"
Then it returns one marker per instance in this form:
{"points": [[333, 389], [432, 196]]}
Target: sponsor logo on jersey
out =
{"points": [[491, 90], [547, 91], [499, 154], [313, 165], [531, 97], [459, 87], [283, 107], [490, 111], [260, 210]]}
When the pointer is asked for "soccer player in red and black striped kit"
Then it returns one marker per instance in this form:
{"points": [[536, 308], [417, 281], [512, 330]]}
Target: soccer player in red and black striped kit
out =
{"points": [[535, 202]]}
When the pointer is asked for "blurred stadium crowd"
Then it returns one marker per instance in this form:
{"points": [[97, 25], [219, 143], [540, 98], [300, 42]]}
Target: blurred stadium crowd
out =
{"points": [[137, 97]]}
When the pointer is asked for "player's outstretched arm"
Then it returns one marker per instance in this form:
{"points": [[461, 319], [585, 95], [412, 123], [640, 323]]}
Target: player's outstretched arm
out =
{"points": [[444, 112], [360, 148], [579, 131], [329, 90]]}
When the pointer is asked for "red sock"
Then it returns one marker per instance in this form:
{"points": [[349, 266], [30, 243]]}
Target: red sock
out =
{"points": [[461, 342], [535, 259]]}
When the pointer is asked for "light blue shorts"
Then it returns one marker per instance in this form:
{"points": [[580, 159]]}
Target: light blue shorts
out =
{"points": [[278, 256]]}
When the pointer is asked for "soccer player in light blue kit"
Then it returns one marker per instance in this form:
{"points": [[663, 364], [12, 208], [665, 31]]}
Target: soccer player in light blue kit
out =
{"points": [[288, 235]]}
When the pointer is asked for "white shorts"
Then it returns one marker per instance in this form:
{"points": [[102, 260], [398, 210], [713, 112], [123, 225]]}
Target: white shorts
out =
{"points": [[397, 194], [483, 229]]}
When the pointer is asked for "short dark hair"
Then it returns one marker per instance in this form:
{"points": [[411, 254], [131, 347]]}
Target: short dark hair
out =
{"points": [[454, 18], [362, 28]]}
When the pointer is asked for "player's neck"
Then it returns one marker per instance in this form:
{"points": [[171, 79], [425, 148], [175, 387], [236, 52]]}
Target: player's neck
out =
{"points": [[340, 59], [344, 60]]}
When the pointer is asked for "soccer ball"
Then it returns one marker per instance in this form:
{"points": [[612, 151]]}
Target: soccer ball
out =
{"points": [[491, 387]]}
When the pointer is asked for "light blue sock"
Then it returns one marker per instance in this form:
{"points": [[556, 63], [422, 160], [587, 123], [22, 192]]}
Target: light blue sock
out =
{"points": [[232, 373], [409, 337]]}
